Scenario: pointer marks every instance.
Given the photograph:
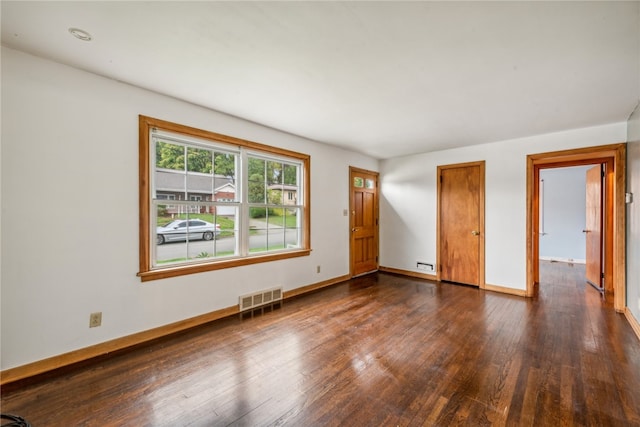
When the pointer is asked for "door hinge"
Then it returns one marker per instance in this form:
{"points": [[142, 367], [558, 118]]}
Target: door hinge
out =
{"points": [[602, 275]]}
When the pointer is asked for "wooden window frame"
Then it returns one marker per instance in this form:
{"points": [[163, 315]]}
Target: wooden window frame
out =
{"points": [[146, 272]]}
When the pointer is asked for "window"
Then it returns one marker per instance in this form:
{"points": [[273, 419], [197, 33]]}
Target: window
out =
{"points": [[227, 201]]}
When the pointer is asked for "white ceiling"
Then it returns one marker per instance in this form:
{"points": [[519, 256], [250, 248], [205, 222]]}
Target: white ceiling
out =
{"points": [[382, 78]]}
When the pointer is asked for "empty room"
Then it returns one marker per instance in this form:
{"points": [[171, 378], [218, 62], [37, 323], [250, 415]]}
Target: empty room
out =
{"points": [[320, 213]]}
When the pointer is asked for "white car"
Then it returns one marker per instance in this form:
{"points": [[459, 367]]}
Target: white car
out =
{"points": [[178, 230]]}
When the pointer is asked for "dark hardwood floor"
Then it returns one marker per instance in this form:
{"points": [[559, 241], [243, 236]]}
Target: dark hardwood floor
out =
{"points": [[379, 350]]}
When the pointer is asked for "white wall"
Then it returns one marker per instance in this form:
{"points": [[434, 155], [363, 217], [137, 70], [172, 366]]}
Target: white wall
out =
{"points": [[408, 200], [633, 214], [70, 212], [563, 211]]}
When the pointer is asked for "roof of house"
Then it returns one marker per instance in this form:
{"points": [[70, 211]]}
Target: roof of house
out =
{"points": [[168, 180], [283, 187]]}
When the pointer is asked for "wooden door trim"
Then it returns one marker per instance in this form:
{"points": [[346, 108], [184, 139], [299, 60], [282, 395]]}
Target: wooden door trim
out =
{"points": [[614, 155], [354, 170], [481, 196]]}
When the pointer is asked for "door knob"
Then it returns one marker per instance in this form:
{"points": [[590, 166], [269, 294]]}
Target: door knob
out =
{"points": [[475, 232], [585, 231]]}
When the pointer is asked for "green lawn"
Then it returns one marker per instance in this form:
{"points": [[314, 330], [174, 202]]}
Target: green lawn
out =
{"points": [[283, 221], [226, 224]]}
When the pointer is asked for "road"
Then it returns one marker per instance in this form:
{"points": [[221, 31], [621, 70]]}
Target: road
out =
{"points": [[224, 245]]}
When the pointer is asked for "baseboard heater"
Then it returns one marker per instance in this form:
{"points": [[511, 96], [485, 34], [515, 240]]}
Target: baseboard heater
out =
{"points": [[260, 298]]}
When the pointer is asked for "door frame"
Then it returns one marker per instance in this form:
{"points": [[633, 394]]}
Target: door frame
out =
{"points": [[481, 222], [354, 170], [614, 155]]}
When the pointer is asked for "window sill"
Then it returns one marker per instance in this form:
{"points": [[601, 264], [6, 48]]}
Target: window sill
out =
{"points": [[164, 273]]}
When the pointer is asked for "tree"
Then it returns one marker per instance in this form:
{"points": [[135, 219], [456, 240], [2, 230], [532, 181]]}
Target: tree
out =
{"points": [[199, 160], [256, 188], [169, 156], [225, 164], [172, 156], [290, 175]]}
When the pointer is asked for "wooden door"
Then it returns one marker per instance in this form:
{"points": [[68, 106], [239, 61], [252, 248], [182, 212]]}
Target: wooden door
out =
{"points": [[364, 221], [593, 225], [461, 223]]}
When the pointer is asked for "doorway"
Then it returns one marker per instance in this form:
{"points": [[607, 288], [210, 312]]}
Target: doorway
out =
{"points": [[614, 156], [364, 221], [571, 220], [460, 229]]}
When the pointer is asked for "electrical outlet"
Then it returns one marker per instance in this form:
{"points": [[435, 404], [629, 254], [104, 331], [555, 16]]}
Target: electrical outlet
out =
{"points": [[318, 269], [95, 319]]}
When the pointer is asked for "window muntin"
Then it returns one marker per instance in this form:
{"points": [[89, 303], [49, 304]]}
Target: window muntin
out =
{"points": [[234, 187]]}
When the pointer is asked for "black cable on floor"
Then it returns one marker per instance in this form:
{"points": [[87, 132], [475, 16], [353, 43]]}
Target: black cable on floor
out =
{"points": [[14, 421]]}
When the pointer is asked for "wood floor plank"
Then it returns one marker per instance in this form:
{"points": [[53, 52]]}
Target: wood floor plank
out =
{"points": [[377, 350]]}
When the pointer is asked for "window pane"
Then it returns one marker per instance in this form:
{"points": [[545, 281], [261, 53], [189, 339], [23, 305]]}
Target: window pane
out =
{"points": [[266, 234], [170, 182], [274, 173], [258, 214], [292, 223], [200, 185], [369, 183], [290, 175], [225, 164], [274, 194], [169, 156], [223, 241], [257, 229], [227, 243], [199, 160], [358, 182], [225, 174], [169, 229], [276, 233], [224, 190], [257, 188]]}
